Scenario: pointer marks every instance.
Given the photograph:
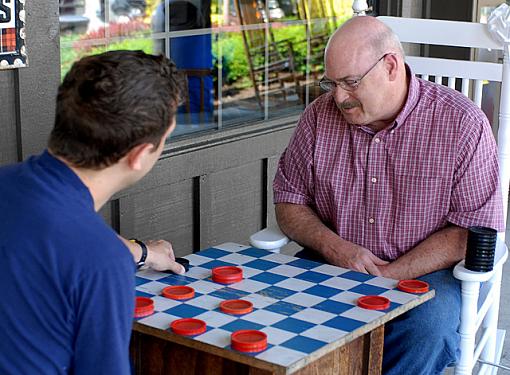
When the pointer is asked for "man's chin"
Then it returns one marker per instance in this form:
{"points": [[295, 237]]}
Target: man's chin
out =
{"points": [[353, 120]]}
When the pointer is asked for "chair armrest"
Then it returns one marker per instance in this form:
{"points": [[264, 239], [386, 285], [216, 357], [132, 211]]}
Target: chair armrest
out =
{"points": [[461, 273], [270, 238]]}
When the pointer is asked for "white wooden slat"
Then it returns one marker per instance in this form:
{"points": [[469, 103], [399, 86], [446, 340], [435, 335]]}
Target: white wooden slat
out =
{"points": [[445, 33], [477, 92], [465, 86], [425, 77], [456, 68], [451, 82], [438, 79]]}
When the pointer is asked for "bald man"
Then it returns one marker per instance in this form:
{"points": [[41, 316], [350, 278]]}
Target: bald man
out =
{"points": [[383, 175]]}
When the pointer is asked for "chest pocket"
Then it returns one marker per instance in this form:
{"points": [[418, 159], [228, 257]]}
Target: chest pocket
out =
{"points": [[419, 207]]}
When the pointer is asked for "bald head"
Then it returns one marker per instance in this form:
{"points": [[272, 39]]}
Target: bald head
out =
{"points": [[364, 48], [363, 37]]}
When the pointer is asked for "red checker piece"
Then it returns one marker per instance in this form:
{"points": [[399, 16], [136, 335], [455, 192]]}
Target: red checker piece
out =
{"points": [[143, 306], [236, 306], [188, 326], [374, 302], [178, 292], [249, 341], [227, 274], [413, 286]]}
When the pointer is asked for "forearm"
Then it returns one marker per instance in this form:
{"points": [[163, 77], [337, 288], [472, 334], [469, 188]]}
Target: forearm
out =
{"points": [[441, 250], [302, 225]]}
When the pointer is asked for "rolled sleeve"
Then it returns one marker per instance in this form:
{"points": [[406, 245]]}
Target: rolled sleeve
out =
{"points": [[294, 181], [476, 198]]}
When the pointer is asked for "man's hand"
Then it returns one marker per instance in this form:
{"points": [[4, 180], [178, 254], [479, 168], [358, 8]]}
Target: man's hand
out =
{"points": [[443, 249], [300, 223], [356, 258], [160, 257]]}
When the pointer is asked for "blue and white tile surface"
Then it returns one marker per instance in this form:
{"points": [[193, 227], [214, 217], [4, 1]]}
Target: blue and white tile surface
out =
{"points": [[302, 306]]}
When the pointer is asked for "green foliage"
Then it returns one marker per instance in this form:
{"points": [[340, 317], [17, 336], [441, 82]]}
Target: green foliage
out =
{"points": [[296, 35], [127, 36], [127, 44], [235, 64], [69, 55]]}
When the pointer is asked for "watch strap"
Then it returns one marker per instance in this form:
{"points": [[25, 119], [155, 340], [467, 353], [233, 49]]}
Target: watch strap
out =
{"points": [[141, 262]]}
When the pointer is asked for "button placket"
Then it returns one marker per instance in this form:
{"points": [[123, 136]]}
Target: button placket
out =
{"points": [[376, 155]]}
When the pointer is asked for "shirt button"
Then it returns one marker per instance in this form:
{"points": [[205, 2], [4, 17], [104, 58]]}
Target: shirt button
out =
{"points": [[377, 140], [373, 179], [371, 220], [392, 131]]}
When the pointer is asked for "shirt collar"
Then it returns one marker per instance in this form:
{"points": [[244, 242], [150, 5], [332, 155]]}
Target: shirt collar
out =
{"points": [[413, 94]]}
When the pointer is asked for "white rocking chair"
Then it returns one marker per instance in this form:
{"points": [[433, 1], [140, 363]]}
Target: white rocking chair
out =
{"points": [[480, 290]]}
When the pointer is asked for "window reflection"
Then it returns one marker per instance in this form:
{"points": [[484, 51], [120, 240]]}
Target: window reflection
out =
{"points": [[245, 60]]}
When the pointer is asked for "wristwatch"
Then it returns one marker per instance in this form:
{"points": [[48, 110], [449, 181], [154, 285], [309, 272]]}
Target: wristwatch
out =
{"points": [[141, 262]]}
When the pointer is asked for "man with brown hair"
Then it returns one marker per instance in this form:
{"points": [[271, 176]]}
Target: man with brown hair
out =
{"points": [[67, 279]]}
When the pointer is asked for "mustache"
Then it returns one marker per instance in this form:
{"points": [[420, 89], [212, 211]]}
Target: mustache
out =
{"points": [[348, 104]]}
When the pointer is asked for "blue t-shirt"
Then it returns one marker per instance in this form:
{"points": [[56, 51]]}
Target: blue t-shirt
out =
{"points": [[66, 280]]}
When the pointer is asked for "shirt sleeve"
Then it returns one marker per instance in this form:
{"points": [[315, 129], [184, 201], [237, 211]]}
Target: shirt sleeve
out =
{"points": [[104, 317], [476, 195], [294, 182]]}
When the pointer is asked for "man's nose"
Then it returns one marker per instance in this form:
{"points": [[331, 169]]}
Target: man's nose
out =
{"points": [[340, 94]]}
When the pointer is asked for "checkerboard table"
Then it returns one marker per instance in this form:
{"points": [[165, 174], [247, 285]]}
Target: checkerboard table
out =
{"points": [[307, 309]]}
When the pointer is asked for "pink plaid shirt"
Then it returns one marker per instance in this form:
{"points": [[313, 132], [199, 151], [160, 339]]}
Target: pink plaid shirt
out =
{"points": [[390, 190]]}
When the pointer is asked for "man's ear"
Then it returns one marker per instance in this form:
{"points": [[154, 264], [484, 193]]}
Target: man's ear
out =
{"points": [[392, 66], [135, 157]]}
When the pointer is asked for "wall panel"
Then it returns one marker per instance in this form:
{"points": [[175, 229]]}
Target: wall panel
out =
{"points": [[237, 203], [164, 212]]}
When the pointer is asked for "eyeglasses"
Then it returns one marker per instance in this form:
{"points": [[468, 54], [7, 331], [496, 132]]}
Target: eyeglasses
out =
{"points": [[348, 84]]}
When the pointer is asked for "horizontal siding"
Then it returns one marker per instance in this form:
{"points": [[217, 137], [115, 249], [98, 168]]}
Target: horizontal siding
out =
{"points": [[237, 203], [164, 212]]}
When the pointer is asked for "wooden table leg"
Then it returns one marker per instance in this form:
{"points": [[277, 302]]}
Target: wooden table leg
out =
{"points": [[362, 356]]}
